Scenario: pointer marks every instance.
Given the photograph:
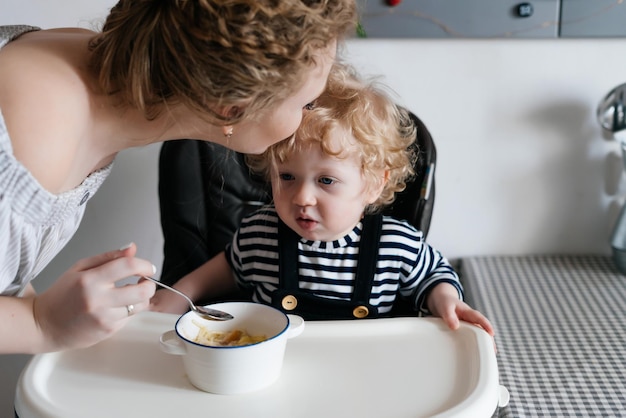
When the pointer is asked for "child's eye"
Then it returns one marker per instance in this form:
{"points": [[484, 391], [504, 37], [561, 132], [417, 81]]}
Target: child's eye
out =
{"points": [[285, 176], [309, 106], [326, 180]]}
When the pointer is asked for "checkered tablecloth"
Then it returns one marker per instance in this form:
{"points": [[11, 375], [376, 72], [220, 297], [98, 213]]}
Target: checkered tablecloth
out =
{"points": [[560, 331]]}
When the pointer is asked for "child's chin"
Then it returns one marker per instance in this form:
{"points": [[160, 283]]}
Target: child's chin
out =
{"points": [[309, 235]]}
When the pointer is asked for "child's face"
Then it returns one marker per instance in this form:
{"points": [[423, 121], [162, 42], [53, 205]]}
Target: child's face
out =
{"points": [[321, 197]]}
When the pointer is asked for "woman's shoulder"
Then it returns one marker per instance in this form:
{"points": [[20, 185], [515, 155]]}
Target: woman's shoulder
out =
{"points": [[46, 67], [44, 97]]}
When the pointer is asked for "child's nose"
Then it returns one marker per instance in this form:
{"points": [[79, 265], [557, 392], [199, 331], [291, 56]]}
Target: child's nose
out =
{"points": [[304, 195]]}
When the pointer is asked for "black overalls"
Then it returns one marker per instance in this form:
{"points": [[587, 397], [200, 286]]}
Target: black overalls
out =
{"points": [[289, 298]]}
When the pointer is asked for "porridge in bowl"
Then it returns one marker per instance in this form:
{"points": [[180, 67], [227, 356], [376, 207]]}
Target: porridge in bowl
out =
{"points": [[233, 338]]}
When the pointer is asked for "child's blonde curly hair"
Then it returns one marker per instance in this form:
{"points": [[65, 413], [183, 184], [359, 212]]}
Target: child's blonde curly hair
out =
{"points": [[383, 132]]}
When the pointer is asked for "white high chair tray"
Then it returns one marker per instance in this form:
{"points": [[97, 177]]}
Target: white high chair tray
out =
{"points": [[395, 367]]}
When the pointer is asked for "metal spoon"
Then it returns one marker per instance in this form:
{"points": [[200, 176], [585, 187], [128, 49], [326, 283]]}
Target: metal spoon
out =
{"points": [[206, 313]]}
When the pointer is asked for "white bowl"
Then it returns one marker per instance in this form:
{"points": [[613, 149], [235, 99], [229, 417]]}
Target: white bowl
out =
{"points": [[230, 370]]}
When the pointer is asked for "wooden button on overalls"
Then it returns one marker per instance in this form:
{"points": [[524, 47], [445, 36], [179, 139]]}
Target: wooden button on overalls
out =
{"points": [[289, 303], [360, 312]]}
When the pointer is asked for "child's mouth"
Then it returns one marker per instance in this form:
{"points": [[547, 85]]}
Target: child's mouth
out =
{"points": [[306, 224]]}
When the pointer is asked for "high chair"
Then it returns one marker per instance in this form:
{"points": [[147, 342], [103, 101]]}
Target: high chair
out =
{"points": [[205, 190]]}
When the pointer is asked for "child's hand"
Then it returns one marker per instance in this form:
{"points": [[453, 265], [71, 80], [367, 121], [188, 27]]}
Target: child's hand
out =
{"points": [[168, 302], [443, 301]]}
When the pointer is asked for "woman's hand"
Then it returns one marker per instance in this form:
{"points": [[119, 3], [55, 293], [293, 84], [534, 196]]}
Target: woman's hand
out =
{"points": [[84, 306], [443, 301]]}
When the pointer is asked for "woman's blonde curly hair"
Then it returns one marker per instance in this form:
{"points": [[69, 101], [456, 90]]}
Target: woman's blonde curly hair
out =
{"points": [[213, 54], [383, 132]]}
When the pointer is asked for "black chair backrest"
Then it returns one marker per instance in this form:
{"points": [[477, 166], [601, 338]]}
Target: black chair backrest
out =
{"points": [[415, 203], [205, 190]]}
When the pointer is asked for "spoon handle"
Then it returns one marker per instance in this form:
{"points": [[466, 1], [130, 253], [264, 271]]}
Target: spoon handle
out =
{"points": [[169, 288], [207, 313]]}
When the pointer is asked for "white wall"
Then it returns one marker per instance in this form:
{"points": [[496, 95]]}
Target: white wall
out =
{"points": [[523, 166]]}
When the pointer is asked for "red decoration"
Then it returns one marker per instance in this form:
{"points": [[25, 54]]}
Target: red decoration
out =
{"points": [[393, 2]]}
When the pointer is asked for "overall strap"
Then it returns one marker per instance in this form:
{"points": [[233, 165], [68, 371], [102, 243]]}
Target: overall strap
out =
{"points": [[366, 266], [368, 257], [287, 257]]}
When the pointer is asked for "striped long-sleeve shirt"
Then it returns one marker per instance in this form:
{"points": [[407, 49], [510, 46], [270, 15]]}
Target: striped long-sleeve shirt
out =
{"points": [[407, 266]]}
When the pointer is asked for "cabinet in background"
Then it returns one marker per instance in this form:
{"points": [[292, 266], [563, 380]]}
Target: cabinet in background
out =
{"points": [[491, 18]]}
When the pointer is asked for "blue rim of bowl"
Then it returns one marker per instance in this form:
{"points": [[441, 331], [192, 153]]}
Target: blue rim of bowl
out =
{"points": [[233, 346]]}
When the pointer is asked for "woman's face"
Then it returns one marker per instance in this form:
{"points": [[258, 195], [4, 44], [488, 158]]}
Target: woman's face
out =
{"points": [[281, 122]]}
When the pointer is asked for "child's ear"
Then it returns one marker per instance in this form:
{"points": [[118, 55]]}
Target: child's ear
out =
{"points": [[377, 189]]}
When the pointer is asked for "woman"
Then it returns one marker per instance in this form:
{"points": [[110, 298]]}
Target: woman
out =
{"points": [[238, 73]]}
